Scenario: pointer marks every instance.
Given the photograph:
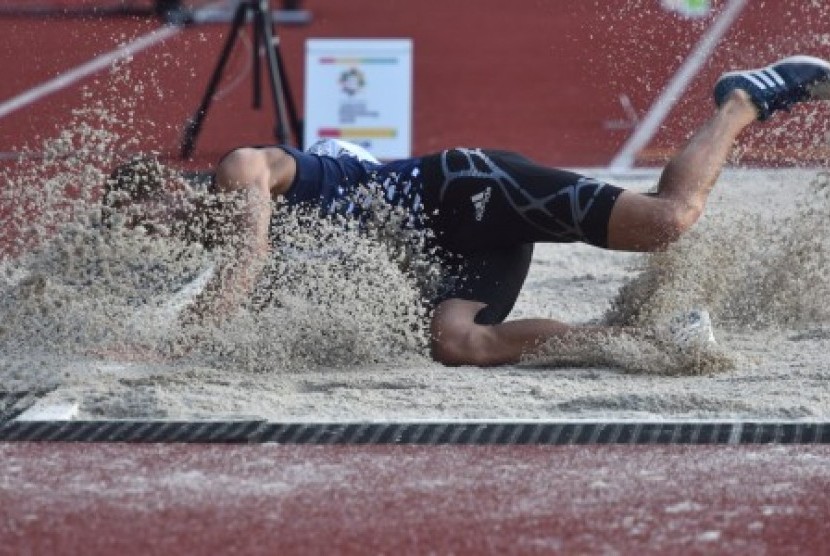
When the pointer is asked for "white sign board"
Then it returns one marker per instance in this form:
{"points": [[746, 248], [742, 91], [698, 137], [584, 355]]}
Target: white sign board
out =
{"points": [[360, 90]]}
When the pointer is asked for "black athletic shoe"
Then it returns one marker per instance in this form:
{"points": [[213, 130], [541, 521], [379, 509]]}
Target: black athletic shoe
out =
{"points": [[780, 85]]}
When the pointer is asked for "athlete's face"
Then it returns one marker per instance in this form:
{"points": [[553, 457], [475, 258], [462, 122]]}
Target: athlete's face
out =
{"points": [[160, 213]]}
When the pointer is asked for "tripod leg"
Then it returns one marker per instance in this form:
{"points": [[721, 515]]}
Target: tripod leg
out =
{"points": [[277, 83], [194, 124], [257, 67], [293, 113]]}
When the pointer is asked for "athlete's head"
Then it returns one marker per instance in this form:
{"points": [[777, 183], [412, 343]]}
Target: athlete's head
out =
{"points": [[143, 192]]}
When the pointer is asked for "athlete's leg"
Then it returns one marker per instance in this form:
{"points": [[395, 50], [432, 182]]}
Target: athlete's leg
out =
{"points": [[645, 222], [641, 222], [637, 222], [468, 326], [458, 340]]}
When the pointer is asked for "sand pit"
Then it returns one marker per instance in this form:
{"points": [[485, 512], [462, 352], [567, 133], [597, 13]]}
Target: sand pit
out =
{"points": [[776, 347]]}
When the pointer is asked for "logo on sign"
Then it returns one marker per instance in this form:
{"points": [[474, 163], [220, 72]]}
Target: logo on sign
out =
{"points": [[352, 81]]}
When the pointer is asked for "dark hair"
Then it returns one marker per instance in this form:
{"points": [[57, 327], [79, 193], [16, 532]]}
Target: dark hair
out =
{"points": [[143, 178], [139, 179]]}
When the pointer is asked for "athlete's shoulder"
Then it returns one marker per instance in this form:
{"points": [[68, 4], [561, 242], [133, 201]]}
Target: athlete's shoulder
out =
{"points": [[246, 167]]}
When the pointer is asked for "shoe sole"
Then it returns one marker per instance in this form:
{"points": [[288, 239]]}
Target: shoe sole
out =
{"points": [[819, 91]]}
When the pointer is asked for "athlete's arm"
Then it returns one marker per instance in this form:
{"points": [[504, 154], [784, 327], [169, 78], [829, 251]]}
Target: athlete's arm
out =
{"points": [[244, 183]]}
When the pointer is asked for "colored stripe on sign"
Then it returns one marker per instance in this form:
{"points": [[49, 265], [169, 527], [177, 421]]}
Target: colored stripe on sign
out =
{"points": [[353, 61], [357, 132]]}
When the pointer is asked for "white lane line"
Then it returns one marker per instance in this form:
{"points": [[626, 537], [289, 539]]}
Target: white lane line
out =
{"points": [[624, 160], [56, 412], [96, 64]]}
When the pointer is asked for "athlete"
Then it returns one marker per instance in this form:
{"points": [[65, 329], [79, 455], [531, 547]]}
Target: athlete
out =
{"points": [[488, 208]]}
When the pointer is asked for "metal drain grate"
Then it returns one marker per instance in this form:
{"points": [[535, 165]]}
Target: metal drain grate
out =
{"points": [[581, 433], [455, 433], [132, 431]]}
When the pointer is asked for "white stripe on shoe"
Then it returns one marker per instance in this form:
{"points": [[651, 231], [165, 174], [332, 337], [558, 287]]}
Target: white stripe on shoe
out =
{"points": [[775, 76], [765, 78], [756, 81]]}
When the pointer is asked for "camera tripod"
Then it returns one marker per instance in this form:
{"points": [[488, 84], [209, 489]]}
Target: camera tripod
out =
{"points": [[287, 129]]}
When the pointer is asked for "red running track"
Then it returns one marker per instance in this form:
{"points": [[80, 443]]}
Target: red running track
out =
{"points": [[270, 499], [541, 78]]}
